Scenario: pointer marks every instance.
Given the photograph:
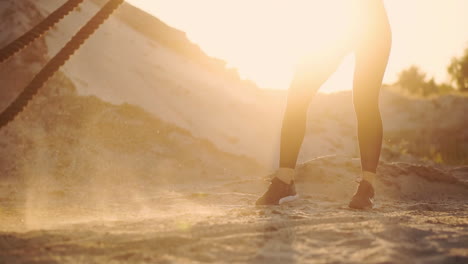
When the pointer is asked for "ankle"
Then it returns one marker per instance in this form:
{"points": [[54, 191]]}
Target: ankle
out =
{"points": [[368, 176], [286, 175]]}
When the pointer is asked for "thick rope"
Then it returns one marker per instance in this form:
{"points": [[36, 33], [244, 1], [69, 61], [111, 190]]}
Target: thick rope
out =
{"points": [[57, 61], [28, 37]]}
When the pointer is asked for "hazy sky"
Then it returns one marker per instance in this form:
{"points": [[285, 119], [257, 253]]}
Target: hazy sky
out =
{"points": [[247, 34]]}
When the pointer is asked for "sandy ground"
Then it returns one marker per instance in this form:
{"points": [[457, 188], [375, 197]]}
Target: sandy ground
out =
{"points": [[84, 181], [419, 218]]}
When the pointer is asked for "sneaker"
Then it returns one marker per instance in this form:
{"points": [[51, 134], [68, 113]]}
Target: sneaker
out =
{"points": [[364, 196], [278, 192]]}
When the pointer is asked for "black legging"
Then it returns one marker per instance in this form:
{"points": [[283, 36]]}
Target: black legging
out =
{"points": [[371, 41]]}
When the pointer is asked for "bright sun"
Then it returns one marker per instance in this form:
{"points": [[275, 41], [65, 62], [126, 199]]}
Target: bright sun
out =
{"points": [[266, 45], [263, 39]]}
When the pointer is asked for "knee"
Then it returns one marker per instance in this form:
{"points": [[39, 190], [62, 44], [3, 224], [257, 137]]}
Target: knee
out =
{"points": [[366, 108], [298, 102]]}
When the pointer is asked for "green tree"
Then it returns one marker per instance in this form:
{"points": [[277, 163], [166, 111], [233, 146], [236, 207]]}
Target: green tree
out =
{"points": [[412, 80], [458, 70], [430, 87]]}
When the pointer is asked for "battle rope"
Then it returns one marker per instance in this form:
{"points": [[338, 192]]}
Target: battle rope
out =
{"points": [[37, 31], [57, 61]]}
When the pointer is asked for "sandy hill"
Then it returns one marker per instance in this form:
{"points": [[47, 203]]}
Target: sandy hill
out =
{"points": [[146, 63]]}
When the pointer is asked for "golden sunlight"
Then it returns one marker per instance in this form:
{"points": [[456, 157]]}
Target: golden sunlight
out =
{"points": [[264, 39]]}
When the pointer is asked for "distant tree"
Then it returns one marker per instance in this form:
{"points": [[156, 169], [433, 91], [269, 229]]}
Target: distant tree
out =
{"points": [[458, 70], [412, 80], [445, 88], [429, 88]]}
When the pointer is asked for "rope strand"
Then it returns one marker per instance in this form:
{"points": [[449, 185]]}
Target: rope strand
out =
{"points": [[57, 61], [37, 31]]}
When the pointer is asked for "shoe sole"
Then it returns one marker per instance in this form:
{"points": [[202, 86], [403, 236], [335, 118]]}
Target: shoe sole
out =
{"points": [[288, 199]]}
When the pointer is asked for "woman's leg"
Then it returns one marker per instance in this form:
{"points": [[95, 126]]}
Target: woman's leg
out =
{"points": [[310, 75], [372, 52]]}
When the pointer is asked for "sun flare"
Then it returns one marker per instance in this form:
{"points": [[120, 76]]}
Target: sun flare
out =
{"points": [[263, 39]]}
